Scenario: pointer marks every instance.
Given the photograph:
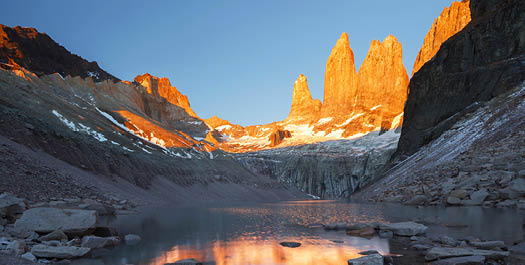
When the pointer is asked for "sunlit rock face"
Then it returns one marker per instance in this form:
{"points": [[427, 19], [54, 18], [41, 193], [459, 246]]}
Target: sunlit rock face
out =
{"points": [[304, 107], [162, 87], [340, 82], [38, 53], [383, 82], [451, 21]]}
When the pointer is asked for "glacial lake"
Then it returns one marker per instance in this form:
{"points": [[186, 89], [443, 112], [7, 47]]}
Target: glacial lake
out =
{"points": [[250, 233]]}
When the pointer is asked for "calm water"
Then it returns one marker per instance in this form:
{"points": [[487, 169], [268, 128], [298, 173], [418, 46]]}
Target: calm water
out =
{"points": [[250, 234]]}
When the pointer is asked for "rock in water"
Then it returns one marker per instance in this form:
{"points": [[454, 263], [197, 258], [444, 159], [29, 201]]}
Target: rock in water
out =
{"points": [[374, 259], [404, 228], [132, 239], [46, 220], [185, 262], [451, 21], [340, 81], [469, 260], [43, 251], [442, 253], [290, 244], [98, 242], [304, 107]]}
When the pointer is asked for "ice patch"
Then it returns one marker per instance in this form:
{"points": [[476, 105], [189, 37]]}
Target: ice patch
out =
{"points": [[397, 120], [349, 120], [223, 127], [375, 107], [324, 120]]}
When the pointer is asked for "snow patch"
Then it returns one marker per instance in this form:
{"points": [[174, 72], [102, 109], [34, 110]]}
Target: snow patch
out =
{"points": [[223, 127], [324, 120], [375, 107], [80, 128]]}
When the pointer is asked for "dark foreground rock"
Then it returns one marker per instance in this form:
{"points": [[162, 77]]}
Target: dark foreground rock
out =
{"points": [[374, 259], [480, 62], [46, 220]]}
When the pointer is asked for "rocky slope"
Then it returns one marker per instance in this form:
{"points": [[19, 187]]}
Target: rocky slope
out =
{"points": [[482, 61], [452, 20], [464, 118], [37, 52]]}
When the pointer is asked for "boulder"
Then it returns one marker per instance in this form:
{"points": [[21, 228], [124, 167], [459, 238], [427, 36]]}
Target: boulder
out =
{"points": [[185, 262], [365, 232], [488, 244], [468, 260], [518, 249], [46, 220], [11, 205], [131, 239], [453, 200], [374, 259], [55, 235], [404, 228], [446, 240], [17, 247], [443, 253], [385, 234], [290, 244], [417, 200], [29, 256], [62, 252], [335, 226], [460, 194], [99, 207], [99, 242], [477, 197]]}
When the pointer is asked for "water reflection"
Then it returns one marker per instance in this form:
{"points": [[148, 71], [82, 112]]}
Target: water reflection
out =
{"points": [[250, 234]]}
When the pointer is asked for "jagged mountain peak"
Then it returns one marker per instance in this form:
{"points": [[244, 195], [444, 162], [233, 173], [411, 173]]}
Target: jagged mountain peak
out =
{"points": [[304, 107]]}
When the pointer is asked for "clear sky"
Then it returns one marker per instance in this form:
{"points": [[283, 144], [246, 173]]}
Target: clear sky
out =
{"points": [[235, 59]]}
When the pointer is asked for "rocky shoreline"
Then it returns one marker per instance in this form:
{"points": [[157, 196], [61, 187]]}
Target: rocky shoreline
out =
{"points": [[58, 231]]}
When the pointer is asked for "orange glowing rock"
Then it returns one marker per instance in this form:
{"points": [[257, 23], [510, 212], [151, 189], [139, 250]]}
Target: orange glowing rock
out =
{"points": [[452, 20], [304, 107], [383, 82], [340, 82], [162, 87]]}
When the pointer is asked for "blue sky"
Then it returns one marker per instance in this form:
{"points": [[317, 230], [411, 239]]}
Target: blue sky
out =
{"points": [[234, 59]]}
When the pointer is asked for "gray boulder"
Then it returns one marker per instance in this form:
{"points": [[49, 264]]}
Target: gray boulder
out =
{"points": [[404, 228], [468, 260], [443, 253], [518, 249], [62, 252], [488, 244], [335, 226], [131, 239], [374, 259], [185, 262], [55, 235], [11, 205], [17, 247], [99, 207], [46, 220], [477, 197], [417, 200], [385, 234], [99, 242], [29, 256]]}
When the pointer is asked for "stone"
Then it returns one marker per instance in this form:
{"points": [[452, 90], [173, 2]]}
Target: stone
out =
{"points": [[468, 260], [404, 228], [290, 244], [518, 249], [185, 262], [61, 252], [17, 247], [421, 247], [101, 209], [477, 197], [417, 200], [99, 242], [385, 234], [446, 240], [11, 205], [368, 252], [365, 232], [55, 235], [46, 220], [304, 107], [506, 203], [518, 186], [443, 252], [453, 201], [488, 244], [29, 256], [132, 239], [375, 259], [335, 226], [521, 173]]}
